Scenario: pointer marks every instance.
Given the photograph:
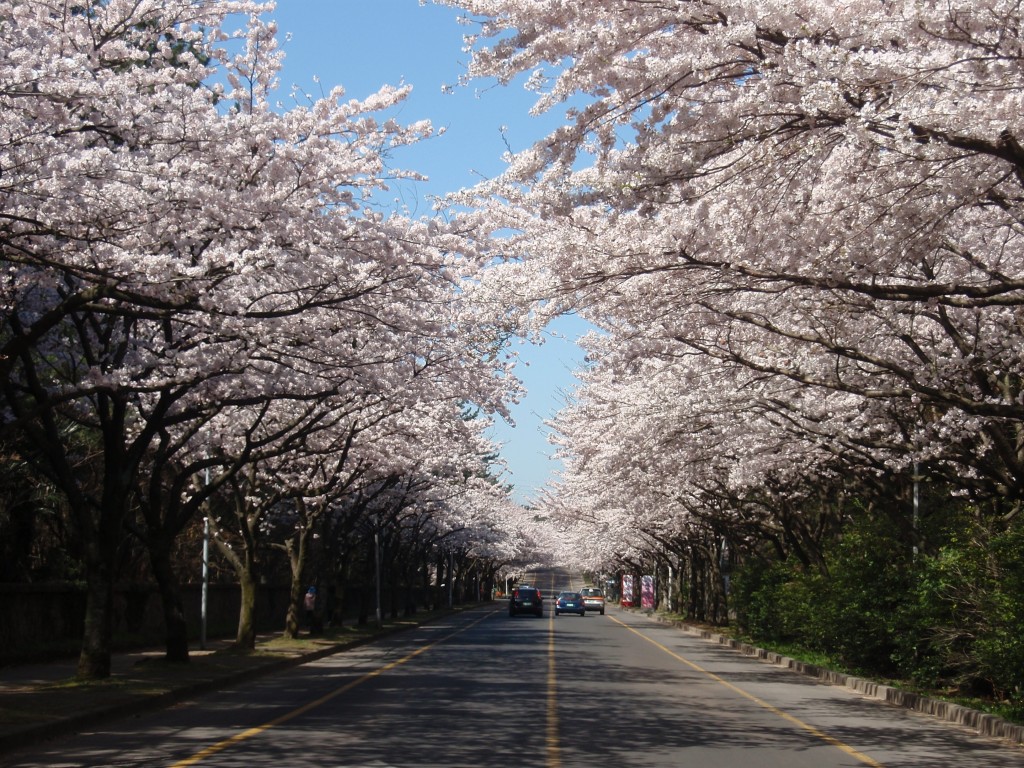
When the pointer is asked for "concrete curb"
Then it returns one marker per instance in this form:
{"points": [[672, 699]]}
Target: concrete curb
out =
{"points": [[982, 723]]}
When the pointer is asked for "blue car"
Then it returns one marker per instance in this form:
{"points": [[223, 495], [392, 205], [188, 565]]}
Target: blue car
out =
{"points": [[570, 602]]}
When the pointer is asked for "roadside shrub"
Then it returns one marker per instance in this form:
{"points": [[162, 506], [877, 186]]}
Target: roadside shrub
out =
{"points": [[858, 609], [970, 602], [950, 618], [853, 611], [769, 599]]}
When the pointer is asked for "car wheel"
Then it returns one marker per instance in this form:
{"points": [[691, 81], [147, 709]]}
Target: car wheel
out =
{"points": [[602, 611]]}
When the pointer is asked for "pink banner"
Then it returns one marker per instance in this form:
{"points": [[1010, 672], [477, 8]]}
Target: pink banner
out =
{"points": [[646, 591]]}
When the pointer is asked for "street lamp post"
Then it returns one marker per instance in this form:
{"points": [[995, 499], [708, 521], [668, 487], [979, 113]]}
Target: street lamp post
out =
{"points": [[376, 566], [206, 568], [451, 579], [917, 503], [206, 581]]}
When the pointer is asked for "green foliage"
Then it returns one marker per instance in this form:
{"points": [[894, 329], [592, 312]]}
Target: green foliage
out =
{"points": [[36, 539], [857, 609], [950, 618], [769, 598], [853, 612], [972, 615]]}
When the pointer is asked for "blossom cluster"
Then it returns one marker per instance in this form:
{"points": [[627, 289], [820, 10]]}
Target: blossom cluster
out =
{"points": [[795, 227]]}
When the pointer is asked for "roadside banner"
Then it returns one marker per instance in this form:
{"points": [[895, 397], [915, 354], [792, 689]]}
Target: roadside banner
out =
{"points": [[627, 590], [646, 591]]}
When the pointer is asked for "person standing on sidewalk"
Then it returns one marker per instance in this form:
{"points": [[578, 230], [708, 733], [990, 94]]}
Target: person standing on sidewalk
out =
{"points": [[309, 605]]}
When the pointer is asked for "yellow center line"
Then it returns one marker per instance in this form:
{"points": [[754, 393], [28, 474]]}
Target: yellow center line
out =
{"points": [[554, 750], [251, 732], [774, 710]]}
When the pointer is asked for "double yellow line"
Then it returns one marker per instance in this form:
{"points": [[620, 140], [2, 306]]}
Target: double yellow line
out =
{"points": [[554, 749]]}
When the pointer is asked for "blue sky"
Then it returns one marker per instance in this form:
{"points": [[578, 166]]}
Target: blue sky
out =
{"points": [[364, 45]]}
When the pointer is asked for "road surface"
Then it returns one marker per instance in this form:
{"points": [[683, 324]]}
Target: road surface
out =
{"points": [[482, 689]]}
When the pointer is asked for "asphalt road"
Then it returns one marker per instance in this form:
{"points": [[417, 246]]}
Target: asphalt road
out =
{"points": [[482, 689]]}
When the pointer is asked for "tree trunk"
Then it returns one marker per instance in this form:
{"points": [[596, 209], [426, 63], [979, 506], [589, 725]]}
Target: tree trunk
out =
{"points": [[425, 585], [693, 609], [717, 613], [364, 604], [95, 657], [176, 628], [296, 548], [102, 538], [291, 619], [409, 584], [439, 592], [246, 637], [243, 561]]}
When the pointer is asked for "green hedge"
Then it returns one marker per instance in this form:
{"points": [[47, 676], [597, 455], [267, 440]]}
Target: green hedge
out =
{"points": [[950, 617]]}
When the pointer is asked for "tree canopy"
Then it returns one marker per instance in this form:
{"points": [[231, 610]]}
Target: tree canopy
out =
{"points": [[795, 229]]}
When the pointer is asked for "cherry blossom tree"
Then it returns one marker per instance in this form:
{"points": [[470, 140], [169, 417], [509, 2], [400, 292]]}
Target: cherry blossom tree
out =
{"points": [[96, 263], [176, 246], [826, 195], [277, 472], [449, 506]]}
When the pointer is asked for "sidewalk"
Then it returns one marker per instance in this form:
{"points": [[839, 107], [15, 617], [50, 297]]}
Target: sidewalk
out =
{"points": [[43, 701]]}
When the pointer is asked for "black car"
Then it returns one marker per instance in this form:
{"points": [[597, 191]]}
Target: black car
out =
{"points": [[525, 600]]}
